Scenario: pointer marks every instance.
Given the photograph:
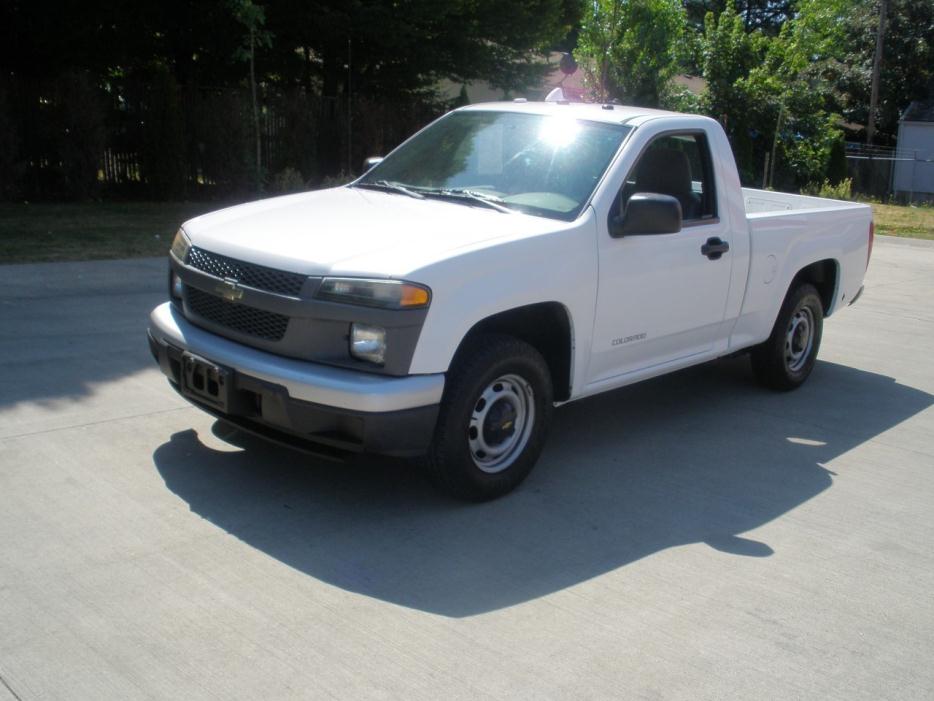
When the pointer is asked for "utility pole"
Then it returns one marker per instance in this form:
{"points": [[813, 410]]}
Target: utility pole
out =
{"points": [[778, 129], [876, 66]]}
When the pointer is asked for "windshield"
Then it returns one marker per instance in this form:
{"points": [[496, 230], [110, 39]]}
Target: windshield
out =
{"points": [[537, 164]]}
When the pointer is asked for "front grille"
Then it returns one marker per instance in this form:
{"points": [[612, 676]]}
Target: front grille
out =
{"points": [[238, 317], [258, 276]]}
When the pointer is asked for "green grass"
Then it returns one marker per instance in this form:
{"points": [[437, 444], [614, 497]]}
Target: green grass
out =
{"points": [[896, 220], [94, 230]]}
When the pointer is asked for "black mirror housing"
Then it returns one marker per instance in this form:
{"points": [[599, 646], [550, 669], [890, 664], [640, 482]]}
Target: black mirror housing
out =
{"points": [[648, 213]]}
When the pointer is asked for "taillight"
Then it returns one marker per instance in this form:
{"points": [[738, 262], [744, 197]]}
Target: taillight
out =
{"points": [[872, 235]]}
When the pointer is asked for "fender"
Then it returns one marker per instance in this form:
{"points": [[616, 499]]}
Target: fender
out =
{"points": [[478, 284]]}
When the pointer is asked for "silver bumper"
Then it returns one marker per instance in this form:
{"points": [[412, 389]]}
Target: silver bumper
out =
{"points": [[309, 382]]}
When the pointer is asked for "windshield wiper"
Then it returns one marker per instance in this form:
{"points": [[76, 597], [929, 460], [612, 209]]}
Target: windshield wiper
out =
{"points": [[392, 187], [458, 193]]}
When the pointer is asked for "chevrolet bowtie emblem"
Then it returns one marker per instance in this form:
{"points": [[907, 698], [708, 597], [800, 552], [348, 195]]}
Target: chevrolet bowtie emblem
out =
{"points": [[229, 290]]}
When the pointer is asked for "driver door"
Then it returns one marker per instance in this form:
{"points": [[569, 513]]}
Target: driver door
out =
{"points": [[661, 299]]}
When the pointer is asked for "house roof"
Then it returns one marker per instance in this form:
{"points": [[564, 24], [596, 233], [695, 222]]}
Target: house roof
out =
{"points": [[694, 83], [919, 111]]}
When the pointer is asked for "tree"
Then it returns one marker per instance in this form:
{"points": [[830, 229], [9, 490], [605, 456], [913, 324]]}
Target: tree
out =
{"points": [[163, 153], [729, 54], [773, 108], [401, 51], [628, 49], [765, 15], [835, 40], [253, 19], [407, 47]]}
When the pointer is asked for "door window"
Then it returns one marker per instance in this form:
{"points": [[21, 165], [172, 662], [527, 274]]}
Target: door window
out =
{"points": [[678, 165]]}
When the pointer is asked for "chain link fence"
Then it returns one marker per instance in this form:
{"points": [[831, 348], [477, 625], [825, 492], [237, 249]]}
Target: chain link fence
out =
{"points": [[902, 175]]}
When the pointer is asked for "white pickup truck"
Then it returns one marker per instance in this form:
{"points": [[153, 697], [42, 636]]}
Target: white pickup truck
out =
{"points": [[507, 258]]}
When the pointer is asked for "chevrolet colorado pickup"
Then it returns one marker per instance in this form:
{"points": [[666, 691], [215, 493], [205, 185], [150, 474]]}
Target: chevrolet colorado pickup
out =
{"points": [[507, 258]]}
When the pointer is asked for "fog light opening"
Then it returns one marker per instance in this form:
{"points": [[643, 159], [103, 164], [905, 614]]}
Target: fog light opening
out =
{"points": [[176, 287], [368, 343]]}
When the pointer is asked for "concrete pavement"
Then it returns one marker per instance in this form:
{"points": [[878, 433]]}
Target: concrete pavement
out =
{"points": [[690, 537]]}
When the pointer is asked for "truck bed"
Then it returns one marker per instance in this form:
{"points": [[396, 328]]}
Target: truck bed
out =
{"points": [[788, 232], [766, 202]]}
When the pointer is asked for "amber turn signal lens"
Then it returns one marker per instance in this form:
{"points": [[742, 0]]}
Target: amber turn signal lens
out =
{"points": [[413, 296]]}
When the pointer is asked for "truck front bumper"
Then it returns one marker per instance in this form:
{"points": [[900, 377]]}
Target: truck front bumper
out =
{"points": [[297, 403]]}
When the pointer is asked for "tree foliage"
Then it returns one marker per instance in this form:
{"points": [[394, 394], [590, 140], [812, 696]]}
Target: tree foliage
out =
{"points": [[729, 55], [772, 105], [835, 41], [134, 54], [77, 78], [765, 15], [629, 48], [787, 94]]}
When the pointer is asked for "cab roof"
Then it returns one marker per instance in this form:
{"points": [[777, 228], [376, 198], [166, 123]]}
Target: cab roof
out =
{"points": [[611, 114]]}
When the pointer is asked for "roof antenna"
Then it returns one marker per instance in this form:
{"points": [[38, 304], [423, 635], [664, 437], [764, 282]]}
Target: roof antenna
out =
{"points": [[556, 95]]}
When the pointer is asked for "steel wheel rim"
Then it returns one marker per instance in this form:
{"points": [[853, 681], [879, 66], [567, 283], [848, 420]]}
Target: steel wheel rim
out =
{"points": [[501, 423], [799, 339]]}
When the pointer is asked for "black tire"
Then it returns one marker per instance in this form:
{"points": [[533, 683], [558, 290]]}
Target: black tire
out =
{"points": [[454, 462], [787, 358]]}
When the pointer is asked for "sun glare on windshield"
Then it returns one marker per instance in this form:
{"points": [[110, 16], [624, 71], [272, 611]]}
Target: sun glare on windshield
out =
{"points": [[559, 131], [539, 164]]}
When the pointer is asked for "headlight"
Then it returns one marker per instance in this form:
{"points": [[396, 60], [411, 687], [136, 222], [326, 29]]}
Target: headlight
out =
{"points": [[389, 294], [180, 246], [368, 343]]}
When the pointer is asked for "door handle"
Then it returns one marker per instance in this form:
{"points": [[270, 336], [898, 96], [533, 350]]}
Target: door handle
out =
{"points": [[714, 248]]}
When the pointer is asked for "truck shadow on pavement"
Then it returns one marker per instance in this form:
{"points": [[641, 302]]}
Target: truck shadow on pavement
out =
{"points": [[699, 456]]}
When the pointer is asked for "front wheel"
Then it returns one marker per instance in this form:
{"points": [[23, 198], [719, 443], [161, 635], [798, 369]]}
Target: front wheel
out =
{"points": [[493, 419], [786, 359]]}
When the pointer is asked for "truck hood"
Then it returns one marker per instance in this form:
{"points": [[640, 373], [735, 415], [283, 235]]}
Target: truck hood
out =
{"points": [[351, 231]]}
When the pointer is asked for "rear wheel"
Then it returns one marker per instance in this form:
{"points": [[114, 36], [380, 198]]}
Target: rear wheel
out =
{"points": [[493, 419], [786, 359]]}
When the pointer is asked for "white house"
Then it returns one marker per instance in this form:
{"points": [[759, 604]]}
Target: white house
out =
{"points": [[914, 168]]}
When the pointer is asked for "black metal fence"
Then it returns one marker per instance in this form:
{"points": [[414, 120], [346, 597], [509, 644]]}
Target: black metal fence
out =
{"points": [[71, 138]]}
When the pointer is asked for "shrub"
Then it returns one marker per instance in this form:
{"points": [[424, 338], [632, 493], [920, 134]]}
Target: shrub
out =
{"points": [[335, 180], [287, 180], [840, 191]]}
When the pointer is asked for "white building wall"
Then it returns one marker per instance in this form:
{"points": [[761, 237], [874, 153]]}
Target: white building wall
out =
{"points": [[914, 171]]}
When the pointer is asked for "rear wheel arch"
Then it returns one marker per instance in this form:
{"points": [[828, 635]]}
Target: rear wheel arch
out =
{"points": [[825, 276]]}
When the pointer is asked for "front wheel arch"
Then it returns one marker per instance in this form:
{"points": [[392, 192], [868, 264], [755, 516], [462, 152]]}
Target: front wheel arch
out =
{"points": [[547, 327]]}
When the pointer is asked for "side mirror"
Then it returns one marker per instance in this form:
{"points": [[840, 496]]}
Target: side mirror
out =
{"points": [[647, 213], [370, 162]]}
